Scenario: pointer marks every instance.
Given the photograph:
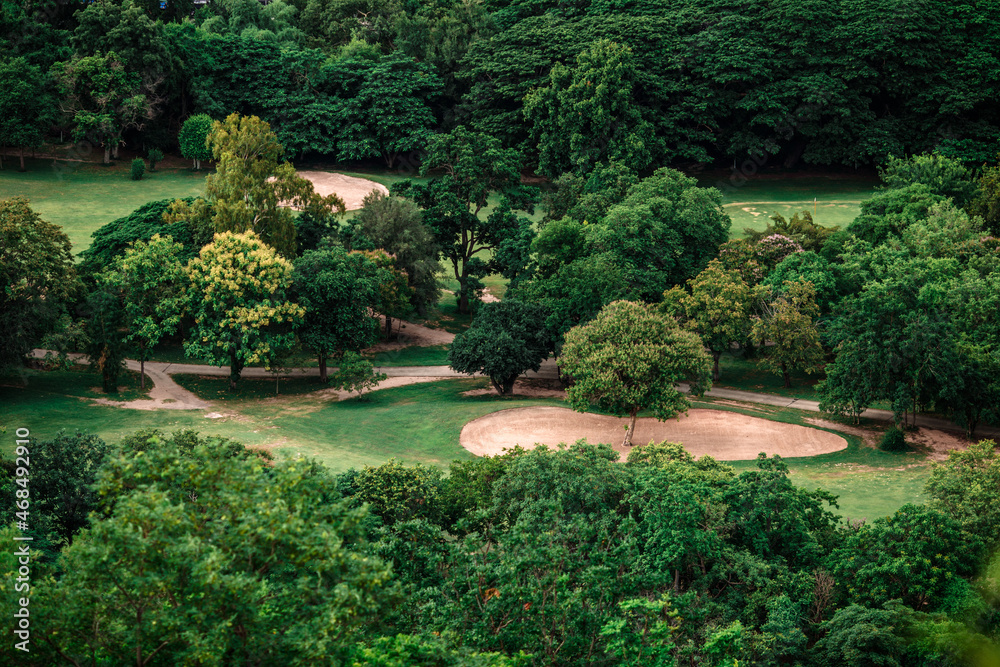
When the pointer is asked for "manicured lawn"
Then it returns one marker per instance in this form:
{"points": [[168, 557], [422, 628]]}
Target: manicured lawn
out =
{"points": [[81, 197]]}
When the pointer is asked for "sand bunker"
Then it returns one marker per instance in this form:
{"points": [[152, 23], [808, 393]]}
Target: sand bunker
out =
{"points": [[727, 436], [351, 189]]}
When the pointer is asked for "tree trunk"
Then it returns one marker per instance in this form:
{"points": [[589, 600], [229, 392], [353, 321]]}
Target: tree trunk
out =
{"points": [[235, 370], [107, 154], [322, 369], [631, 429], [114, 151], [715, 369], [23, 168], [388, 327], [142, 373], [505, 386], [788, 378]]}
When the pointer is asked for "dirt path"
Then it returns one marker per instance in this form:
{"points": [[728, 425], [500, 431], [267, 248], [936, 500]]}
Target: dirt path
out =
{"points": [[728, 436]]}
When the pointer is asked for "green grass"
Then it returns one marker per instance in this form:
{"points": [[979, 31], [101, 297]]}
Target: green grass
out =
{"points": [[746, 375], [432, 355], [82, 197], [834, 199], [216, 388]]}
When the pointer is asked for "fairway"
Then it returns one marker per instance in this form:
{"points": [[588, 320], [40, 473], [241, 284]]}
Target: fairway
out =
{"points": [[834, 200], [82, 197]]}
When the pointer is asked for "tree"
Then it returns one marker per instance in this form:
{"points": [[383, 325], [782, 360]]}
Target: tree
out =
{"points": [[506, 339], [339, 291], [190, 562], [787, 324], [150, 279], [588, 114], [717, 309], [105, 335], [663, 233], [944, 176], [355, 374], [986, 203], [396, 226], [629, 358], [800, 228], [24, 105], [193, 139], [964, 487], [37, 278], [238, 297], [103, 98], [252, 189], [475, 169]]}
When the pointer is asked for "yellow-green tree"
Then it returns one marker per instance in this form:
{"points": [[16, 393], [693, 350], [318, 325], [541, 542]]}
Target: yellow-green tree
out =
{"points": [[253, 189], [718, 308], [787, 331], [629, 358], [238, 298]]}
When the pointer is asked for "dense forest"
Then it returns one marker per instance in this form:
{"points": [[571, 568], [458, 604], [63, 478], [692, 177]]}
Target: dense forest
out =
{"points": [[847, 82]]}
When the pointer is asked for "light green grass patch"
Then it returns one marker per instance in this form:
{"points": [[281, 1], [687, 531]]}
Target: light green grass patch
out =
{"points": [[82, 197]]}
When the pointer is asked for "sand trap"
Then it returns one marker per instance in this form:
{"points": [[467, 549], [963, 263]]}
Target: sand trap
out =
{"points": [[727, 436], [351, 189]]}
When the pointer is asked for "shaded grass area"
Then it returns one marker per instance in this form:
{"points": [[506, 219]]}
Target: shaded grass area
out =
{"points": [[746, 375], [432, 355], [82, 197], [216, 388], [869, 483]]}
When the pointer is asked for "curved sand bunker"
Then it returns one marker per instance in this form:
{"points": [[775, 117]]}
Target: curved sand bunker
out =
{"points": [[727, 436], [351, 189]]}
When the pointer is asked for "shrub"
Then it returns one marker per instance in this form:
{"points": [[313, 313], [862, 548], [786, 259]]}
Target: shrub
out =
{"points": [[138, 168], [154, 155], [893, 441]]}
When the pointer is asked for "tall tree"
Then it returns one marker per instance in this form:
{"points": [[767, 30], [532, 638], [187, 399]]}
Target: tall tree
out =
{"points": [[457, 204], [787, 332], [339, 291], [193, 139], [238, 297], [588, 114], [37, 278], [103, 98], [25, 105], [151, 281], [629, 358], [506, 339], [252, 189]]}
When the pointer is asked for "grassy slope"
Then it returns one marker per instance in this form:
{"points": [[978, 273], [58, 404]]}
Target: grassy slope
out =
{"points": [[82, 197]]}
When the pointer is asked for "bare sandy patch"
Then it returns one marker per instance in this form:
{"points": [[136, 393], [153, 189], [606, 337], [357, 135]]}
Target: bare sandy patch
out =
{"points": [[869, 436], [727, 436], [351, 189], [936, 443]]}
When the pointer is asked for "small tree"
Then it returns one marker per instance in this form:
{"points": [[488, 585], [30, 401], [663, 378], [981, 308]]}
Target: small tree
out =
{"points": [[788, 324], [137, 169], [150, 279], [506, 339], [355, 373], [238, 297], [105, 330], [629, 358], [154, 155], [193, 139]]}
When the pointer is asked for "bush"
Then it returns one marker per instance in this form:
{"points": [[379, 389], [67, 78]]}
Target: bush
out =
{"points": [[893, 441], [138, 168], [154, 155]]}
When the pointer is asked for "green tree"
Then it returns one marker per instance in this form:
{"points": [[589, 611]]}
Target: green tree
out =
{"points": [[787, 333], [506, 339], [986, 203], [191, 562], [629, 358], [193, 139], [718, 309], [964, 487], [663, 233], [37, 278], [396, 226], [150, 279], [587, 114], [25, 105], [252, 189], [800, 228], [103, 98], [238, 297], [339, 291], [106, 330], [945, 176], [475, 168]]}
